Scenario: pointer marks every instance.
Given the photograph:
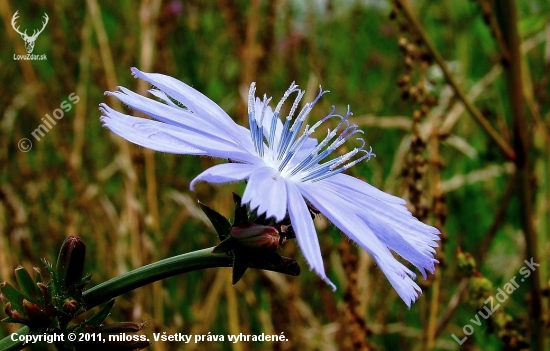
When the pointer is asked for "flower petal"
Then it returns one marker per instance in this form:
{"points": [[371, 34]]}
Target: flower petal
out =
{"points": [[190, 98], [364, 188], [416, 249], [144, 132], [154, 134], [305, 231], [225, 173], [266, 191], [179, 117], [337, 211], [397, 216], [171, 115]]}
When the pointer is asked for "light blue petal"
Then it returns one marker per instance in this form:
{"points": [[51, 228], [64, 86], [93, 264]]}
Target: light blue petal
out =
{"points": [[418, 252], [339, 213], [171, 115], [224, 173], [397, 214], [405, 287], [144, 132], [364, 188], [179, 117], [305, 231], [151, 134], [420, 235], [190, 98], [266, 191]]}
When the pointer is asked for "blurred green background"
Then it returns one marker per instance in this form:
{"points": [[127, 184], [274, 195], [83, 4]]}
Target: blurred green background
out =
{"points": [[133, 207]]}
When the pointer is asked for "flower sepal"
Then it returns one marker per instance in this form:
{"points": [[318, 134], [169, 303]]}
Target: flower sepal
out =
{"points": [[31, 305], [251, 241]]}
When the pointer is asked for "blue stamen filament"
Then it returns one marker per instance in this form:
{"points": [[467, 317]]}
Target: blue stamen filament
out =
{"points": [[288, 144]]}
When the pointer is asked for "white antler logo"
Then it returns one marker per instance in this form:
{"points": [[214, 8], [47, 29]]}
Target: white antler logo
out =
{"points": [[29, 40]]}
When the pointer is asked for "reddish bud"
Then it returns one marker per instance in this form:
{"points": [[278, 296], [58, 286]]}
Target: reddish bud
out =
{"points": [[35, 314], [255, 236], [70, 262], [70, 306], [15, 315]]}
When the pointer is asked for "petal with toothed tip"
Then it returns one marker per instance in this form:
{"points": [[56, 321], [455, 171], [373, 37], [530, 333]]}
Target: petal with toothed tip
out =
{"points": [[302, 224], [336, 210]]}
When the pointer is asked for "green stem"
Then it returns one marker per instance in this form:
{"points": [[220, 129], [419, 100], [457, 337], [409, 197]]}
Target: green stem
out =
{"points": [[474, 111], [153, 272], [7, 344], [507, 18], [129, 281]]}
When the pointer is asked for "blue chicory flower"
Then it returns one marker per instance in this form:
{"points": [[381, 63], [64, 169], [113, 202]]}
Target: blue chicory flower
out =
{"points": [[284, 170]]}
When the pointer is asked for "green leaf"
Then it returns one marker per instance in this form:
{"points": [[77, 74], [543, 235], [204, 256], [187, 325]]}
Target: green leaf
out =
{"points": [[54, 284], [37, 275], [27, 285], [97, 319], [14, 296], [220, 223], [80, 285], [534, 24]]}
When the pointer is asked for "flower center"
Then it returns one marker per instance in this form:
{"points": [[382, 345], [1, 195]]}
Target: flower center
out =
{"points": [[289, 153]]}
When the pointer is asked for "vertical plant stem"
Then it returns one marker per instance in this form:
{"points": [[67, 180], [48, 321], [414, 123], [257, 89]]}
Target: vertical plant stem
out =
{"points": [[474, 111], [148, 15], [148, 26], [507, 17], [498, 218], [79, 123], [129, 218], [440, 212], [232, 312]]}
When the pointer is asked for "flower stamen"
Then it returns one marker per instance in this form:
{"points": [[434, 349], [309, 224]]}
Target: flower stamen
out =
{"points": [[293, 88]]}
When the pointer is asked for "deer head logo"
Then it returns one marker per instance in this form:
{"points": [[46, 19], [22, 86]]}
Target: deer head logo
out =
{"points": [[29, 40]]}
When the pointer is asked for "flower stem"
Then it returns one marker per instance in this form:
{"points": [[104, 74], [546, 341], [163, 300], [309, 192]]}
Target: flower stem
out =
{"points": [[150, 273], [139, 277]]}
